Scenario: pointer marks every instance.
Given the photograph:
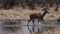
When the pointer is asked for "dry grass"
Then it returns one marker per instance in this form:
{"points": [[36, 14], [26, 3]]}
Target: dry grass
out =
{"points": [[19, 12]]}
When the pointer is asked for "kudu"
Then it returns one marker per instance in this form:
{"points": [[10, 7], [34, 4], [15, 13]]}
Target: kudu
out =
{"points": [[38, 16]]}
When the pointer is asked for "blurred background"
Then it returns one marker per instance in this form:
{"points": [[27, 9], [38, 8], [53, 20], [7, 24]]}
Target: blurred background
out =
{"points": [[12, 11], [23, 8]]}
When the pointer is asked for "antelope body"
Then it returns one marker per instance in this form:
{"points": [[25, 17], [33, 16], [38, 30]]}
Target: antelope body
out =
{"points": [[38, 16]]}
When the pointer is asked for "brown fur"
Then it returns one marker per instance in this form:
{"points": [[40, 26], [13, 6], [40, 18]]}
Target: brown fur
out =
{"points": [[38, 16]]}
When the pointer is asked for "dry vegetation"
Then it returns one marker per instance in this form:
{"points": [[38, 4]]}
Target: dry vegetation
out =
{"points": [[24, 13], [21, 8]]}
